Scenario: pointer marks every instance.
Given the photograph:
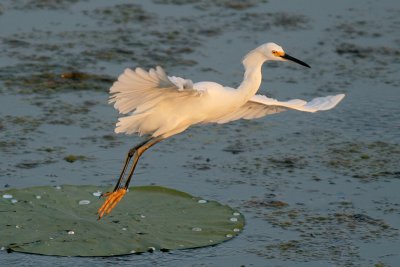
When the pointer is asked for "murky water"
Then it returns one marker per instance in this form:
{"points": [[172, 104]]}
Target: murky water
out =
{"points": [[316, 189]]}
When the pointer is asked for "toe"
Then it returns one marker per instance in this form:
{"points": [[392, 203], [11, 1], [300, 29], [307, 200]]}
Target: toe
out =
{"points": [[111, 201]]}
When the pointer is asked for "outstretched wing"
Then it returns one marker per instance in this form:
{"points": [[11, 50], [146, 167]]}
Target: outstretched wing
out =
{"points": [[260, 105], [140, 90]]}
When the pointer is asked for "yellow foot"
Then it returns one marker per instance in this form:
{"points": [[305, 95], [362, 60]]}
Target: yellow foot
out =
{"points": [[112, 200]]}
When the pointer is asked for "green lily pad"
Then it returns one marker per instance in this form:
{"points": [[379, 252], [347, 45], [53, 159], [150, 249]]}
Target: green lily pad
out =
{"points": [[62, 221]]}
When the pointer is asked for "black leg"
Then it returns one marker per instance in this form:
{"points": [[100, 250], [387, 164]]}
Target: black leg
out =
{"points": [[128, 158], [114, 197], [139, 151]]}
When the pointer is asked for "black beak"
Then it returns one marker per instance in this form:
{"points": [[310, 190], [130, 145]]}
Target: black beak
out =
{"points": [[286, 56]]}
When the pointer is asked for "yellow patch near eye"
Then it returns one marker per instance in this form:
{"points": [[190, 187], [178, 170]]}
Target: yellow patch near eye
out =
{"points": [[278, 53]]}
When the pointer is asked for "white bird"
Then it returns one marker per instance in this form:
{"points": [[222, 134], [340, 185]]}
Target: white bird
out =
{"points": [[162, 106]]}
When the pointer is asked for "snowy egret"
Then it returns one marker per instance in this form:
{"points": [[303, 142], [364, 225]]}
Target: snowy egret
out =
{"points": [[161, 106]]}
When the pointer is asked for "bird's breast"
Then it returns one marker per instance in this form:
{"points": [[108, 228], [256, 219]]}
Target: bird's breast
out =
{"points": [[216, 102]]}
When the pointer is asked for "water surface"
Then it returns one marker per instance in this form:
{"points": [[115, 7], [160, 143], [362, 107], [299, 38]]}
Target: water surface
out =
{"points": [[316, 189]]}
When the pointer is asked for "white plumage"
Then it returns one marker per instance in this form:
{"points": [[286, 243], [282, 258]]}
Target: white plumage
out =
{"points": [[162, 106]]}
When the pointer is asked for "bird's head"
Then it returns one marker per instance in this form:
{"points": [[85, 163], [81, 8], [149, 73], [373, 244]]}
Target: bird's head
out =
{"points": [[272, 51]]}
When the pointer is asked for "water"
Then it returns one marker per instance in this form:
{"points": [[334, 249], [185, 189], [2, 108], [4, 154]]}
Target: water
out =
{"points": [[316, 189]]}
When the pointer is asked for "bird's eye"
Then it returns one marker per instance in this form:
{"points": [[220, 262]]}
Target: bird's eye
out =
{"points": [[275, 53]]}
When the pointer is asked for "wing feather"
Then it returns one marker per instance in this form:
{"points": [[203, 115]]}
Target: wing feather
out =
{"points": [[140, 90], [316, 104], [259, 106]]}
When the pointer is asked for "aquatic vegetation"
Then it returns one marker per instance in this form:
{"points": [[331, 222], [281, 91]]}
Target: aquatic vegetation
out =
{"points": [[73, 158], [366, 161], [54, 80], [61, 221]]}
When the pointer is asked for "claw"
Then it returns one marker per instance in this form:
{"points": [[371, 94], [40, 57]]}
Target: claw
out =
{"points": [[112, 200]]}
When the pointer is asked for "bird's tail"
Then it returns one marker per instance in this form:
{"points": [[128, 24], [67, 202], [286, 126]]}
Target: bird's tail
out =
{"points": [[131, 124]]}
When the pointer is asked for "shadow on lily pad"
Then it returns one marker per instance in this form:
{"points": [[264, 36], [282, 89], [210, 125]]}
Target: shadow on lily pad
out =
{"points": [[62, 221]]}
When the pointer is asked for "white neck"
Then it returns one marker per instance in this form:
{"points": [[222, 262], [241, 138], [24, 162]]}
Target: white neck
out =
{"points": [[252, 63]]}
